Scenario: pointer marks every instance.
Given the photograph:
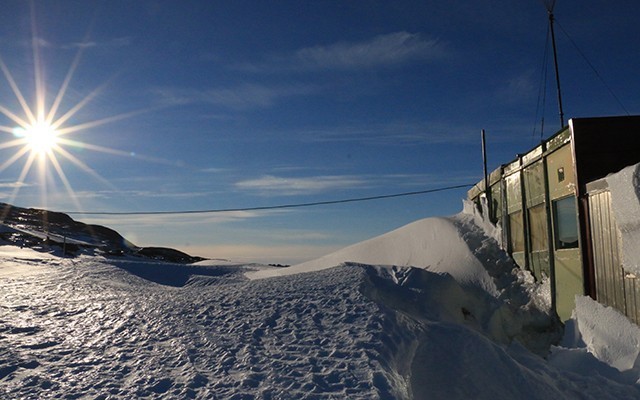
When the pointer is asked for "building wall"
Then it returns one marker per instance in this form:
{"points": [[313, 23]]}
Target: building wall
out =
{"points": [[546, 216], [536, 188], [615, 287], [567, 257]]}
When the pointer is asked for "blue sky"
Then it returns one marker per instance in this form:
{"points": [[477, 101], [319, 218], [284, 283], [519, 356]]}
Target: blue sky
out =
{"points": [[212, 105]]}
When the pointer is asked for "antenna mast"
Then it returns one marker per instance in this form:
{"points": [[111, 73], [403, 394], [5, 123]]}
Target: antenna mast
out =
{"points": [[550, 6]]}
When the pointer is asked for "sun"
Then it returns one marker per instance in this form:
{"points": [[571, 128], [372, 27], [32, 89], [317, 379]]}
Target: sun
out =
{"points": [[40, 131], [40, 137]]}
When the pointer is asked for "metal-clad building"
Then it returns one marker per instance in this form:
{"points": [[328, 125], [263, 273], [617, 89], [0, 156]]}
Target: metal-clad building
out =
{"points": [[556, 216]]}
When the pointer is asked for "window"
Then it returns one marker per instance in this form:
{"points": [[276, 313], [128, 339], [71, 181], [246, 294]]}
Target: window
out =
{"points": [[514, 193], [534, 184], [496, 203], [565, 223], [538, 228], [516, 230]]}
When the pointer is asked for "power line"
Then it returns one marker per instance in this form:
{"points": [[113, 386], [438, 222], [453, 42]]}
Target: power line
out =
{"points": [[275, 207], [595, 71], [542, 90]]}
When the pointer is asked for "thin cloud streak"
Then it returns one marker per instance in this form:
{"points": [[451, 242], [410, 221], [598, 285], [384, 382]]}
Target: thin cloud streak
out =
{"points": [[215, 170], [139, 221], [518, 88], [383, 50], [391, 49], [241, 97], [13, 185], [137, 194], [270, 185], [394, 134], [112, 43]]}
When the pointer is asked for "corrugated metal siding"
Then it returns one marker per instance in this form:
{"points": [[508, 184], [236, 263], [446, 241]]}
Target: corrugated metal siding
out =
{"points": [[614, 286], [608, 269], [632, 292]]}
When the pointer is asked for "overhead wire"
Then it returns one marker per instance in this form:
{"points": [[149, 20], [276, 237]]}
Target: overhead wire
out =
{"points": [[542, 91], [549, 5], [593, 68], [273, 207]]}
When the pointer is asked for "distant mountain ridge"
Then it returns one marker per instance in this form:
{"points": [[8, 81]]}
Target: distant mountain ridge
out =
{"points": [[43, 230]]}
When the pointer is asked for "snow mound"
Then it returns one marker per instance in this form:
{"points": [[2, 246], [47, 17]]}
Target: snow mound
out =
{"points": [[435, 244], [599, 341], [609, 335], [625, 198], [474, 279]]}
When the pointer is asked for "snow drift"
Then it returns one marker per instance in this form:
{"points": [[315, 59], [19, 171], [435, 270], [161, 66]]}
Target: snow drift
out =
{"points": [[431, 310], [625, 198], [435, 244]]}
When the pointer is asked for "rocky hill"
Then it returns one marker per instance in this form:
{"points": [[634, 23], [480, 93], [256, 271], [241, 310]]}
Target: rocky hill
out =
{"points": [[47, 230]]}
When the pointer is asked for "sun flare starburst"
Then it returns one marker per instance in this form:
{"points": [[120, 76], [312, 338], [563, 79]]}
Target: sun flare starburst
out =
{"points": [[42, 132], [40, 137], [39, 132]]}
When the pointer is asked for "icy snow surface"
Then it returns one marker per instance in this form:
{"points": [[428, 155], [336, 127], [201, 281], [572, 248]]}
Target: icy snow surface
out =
{"points": [[449, 317]]}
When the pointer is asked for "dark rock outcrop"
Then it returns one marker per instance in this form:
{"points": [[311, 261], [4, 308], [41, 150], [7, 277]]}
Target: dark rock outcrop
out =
{"points": [[41, 229]]}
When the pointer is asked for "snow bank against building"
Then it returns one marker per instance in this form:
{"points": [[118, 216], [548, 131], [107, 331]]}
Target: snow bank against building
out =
{"points": [[475, 307], [599, 341], [625, 198], [441, 245]]}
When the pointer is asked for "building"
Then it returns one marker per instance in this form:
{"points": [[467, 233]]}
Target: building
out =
{"points": [[556, 214]]}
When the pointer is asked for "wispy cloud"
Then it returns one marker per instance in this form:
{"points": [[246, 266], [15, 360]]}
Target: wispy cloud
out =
{"points": [[13, 185], [138, 194], [40, 42], [270, 185], [390, 49], [240, 97], [517, 88], [138, 222], [118, 42], [111, 43], [383, 50], [395, 133], [215, 170]]}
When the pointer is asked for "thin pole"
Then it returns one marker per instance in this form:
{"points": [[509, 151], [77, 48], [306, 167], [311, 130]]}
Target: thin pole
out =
{"points": [[555, 63], [486, 176]]}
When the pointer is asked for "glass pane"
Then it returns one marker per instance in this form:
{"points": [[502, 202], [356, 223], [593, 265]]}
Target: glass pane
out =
{"points": [[516, 229], [538, 228], [514, 192], [496, 202], [534, 183], [565, 223]]}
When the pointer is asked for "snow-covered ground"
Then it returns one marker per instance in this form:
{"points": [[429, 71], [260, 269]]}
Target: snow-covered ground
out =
{"points": [[432, 310]]}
